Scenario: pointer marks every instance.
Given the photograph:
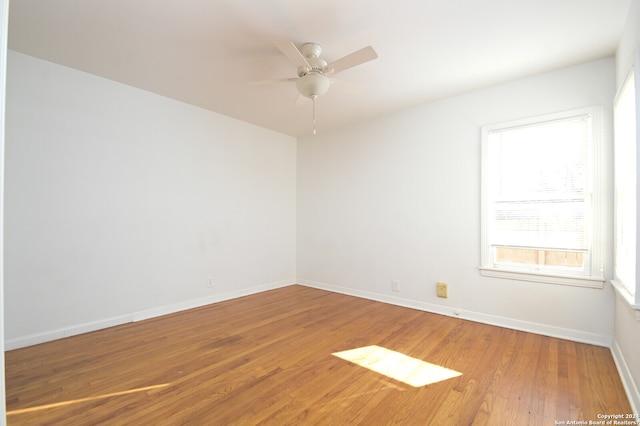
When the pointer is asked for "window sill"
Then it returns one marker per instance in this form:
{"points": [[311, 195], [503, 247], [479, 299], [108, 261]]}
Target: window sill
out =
{"points": [[543, 278], [627, 297]]}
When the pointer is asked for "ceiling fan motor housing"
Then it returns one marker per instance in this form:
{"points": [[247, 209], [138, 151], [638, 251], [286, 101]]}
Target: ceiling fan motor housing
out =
{"points": [[311, 53]]}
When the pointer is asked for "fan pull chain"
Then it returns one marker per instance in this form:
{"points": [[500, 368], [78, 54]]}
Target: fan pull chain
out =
{"points": [[313, 98]]}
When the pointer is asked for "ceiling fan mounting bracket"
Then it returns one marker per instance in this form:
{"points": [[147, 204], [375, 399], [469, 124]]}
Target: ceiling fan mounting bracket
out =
{"points": [[311, 50]]}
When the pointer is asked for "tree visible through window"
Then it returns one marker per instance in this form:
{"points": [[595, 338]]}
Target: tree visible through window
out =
{"points": [[538, 195]]}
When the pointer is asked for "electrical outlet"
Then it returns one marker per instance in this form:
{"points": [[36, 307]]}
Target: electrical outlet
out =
{"points": [[442, 289], [395, 285], [210, 283]]}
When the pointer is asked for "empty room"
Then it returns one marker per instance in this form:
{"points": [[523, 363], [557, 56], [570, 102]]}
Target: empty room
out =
{"points": [[281, 212]]}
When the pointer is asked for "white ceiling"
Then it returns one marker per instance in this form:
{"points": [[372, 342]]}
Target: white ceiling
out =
{"points": [[205, 52]]}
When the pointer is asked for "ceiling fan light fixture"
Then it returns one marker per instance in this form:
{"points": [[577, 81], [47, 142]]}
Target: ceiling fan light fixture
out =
{"points": [[313, 84]]}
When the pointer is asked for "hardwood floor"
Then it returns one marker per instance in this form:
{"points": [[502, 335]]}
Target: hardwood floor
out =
{"points": [[267, 359]]}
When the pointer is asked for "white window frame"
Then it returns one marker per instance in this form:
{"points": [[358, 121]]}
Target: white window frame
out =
{"points": [[593, 276], [630, 291]]}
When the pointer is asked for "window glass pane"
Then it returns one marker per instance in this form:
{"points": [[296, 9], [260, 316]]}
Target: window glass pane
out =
{"points": [[539, 194], [625, 184], [543, 161]]}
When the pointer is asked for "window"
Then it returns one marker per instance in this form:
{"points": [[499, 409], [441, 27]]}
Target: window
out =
{"points": [[540, 199], [625, 184]]}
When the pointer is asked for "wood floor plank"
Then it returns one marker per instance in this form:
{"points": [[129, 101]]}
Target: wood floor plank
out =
{"points": [[268, 359]]}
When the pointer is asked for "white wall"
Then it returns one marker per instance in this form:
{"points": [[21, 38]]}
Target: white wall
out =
{"points": [[626, 345], [398, 198], [629, 42], [121, 204]]}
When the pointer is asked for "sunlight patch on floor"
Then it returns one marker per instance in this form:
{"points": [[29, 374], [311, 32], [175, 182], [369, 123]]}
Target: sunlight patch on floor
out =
{"points": [[398, 366], [90, 398]]}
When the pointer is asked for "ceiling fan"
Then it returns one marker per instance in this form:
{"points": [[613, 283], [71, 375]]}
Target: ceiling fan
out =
{"points": [[313, 71]]}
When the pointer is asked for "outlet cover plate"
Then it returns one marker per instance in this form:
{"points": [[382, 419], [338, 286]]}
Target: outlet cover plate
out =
{"points": [[442, 289]]}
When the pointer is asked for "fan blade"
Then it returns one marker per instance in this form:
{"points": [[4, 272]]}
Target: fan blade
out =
{"points": [[358, 57], [292, 53], [276, 80]]}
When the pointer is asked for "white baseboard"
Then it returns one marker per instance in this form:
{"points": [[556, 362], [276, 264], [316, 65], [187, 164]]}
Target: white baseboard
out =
{"points": [[203, 301], [47, 336], [60, 333], [543, 329], [627, 379], [531, 327]]}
